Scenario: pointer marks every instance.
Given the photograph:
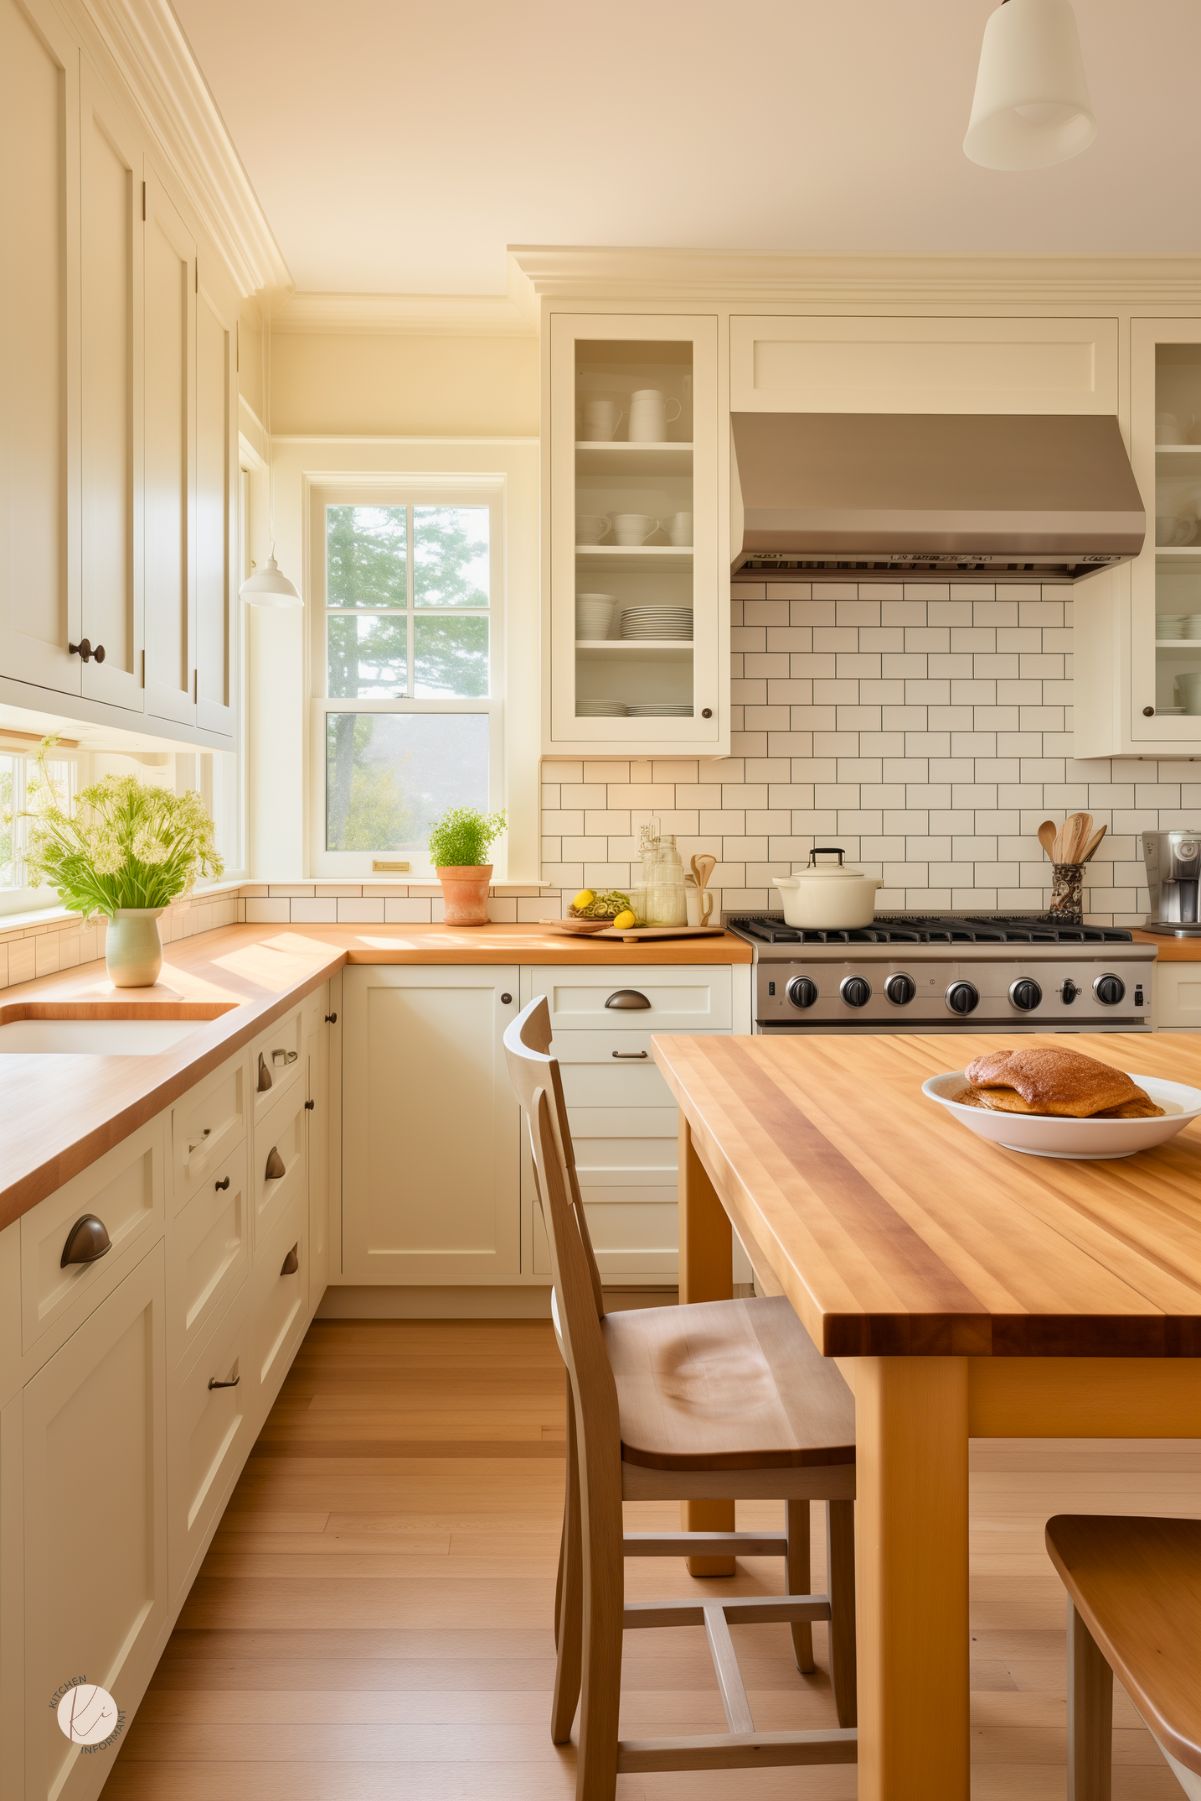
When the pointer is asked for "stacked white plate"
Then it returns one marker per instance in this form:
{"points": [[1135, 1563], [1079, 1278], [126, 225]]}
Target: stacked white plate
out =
{"points": [[601, 709], [657, 622], [657, 710]]}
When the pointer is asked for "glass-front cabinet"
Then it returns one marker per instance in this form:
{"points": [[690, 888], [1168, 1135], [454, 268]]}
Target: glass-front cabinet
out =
{"points": [[1166, 579], [638, 598]]}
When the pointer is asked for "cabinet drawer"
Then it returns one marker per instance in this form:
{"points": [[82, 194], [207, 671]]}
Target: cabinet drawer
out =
{"points": [[278, 1302], [275, 1060], [631, 1239], [659, 999], [124, 1192], [208, 1249], [206, 1125], [208, 1437], [280, 1160], [612, 1069]]}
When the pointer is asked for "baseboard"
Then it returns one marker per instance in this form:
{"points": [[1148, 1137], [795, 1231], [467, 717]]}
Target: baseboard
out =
{"points": [[368, 1302]]}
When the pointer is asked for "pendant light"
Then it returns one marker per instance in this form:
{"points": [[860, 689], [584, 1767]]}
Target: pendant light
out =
{"points": [[1031, 107], [270, 587]]}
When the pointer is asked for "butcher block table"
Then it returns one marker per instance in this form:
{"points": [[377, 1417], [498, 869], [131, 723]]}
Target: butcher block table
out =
{"points": [[965, 1291]]}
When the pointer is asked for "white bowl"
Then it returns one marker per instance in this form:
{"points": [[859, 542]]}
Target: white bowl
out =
{"points": [[1086, 1140]]}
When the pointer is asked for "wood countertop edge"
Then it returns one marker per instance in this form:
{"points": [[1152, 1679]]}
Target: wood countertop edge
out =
{"points": [[319, 952], [1171, 950]]}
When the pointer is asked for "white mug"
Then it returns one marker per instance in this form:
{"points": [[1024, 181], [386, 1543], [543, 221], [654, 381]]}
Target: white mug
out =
{"points": [[634, 528], [591, 528], [650, 415], [601, 416], [698, 902], [679, 529]]}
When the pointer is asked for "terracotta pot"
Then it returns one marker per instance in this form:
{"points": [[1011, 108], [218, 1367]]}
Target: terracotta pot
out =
{"points": [[465, 893]]}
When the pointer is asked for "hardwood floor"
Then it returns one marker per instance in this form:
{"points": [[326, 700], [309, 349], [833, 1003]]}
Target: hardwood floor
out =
{"points": [[373, 1621]]}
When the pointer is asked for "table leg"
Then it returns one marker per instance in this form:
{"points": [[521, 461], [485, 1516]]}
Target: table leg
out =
{"points": [[706, 1274], [911, 1539]]}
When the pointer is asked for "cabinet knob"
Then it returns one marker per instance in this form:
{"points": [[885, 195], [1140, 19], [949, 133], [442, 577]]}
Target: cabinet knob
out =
{"points": [[1147, 712], [627, 1000], [706, 712], [276, 1167], [506, 1000], [222, 1185], [331, 1019], [309, 1106], [86, 652], [291, 1262], [87, 1241], [216, 1382]]}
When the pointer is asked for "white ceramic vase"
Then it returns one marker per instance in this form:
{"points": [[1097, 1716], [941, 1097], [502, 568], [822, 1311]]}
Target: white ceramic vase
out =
{"points": [[133, 950]]}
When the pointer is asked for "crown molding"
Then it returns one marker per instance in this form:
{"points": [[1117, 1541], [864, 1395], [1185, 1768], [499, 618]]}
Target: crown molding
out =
{"points": [[770, 277], [153, 57], [513, 314]]}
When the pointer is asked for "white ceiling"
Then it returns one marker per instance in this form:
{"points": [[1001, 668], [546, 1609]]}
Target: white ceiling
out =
{"points": [[397, 146]]}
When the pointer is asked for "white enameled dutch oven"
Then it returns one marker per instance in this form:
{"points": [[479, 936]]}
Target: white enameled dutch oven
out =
{"points": [[826, 897]]}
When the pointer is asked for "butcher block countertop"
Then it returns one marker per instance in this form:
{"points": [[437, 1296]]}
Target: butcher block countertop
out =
{"points": [[59, 1112], [1171, 950], [895, 1232]]}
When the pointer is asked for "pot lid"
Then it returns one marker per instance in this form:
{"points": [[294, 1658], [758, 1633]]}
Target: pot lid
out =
{"points": [[828, 871]]}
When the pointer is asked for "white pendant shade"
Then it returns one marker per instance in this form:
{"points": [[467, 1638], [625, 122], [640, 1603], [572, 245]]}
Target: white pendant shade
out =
{"points": [[270, 587], [1031, 107]]}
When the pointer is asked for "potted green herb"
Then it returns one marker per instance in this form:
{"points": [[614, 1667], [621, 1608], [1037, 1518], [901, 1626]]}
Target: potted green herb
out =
{"points": [[458, 844], [126, 851]]}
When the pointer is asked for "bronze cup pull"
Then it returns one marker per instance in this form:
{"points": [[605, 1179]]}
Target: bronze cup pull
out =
{"points": [[627, 1000], [276, 1167], [291, 1262], [265, 1081], [87, 1241]]}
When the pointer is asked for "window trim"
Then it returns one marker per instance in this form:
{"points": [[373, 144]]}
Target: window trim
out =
{"points": [[395, 490], [43, 899]]}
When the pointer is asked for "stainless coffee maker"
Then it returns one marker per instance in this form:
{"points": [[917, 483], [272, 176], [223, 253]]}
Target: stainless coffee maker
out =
{"points": [[1173, 862]]}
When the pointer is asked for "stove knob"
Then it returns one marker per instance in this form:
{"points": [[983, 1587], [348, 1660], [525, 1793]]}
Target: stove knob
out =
{"points": [[1109, 990], [900, 990], [856, 991], [1069, 992], [801, 991], [1025, 995], [963, 997]]}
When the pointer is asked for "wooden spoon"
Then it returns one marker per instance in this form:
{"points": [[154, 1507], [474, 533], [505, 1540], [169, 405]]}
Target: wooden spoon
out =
{"points": [[1092, 844], [1047, 836], [702, 867], [1081, 832]]}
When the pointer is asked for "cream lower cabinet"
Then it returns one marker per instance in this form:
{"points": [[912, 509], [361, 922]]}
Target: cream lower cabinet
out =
{"points": [[95, 1524], [1177, 997], [430, 1126]]}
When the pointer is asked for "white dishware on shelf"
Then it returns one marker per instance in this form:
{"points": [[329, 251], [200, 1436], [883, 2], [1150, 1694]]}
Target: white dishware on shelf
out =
{"points": [[1188, 692], [656, 622], [653, 709], [600, 416], [594, 615], [634, 528], [1082, 1140], [1171, 625], [1168, 429], [651, 412], [679, 529], [592, 528], [1190, 626], [600, 709], [1173, 529]]}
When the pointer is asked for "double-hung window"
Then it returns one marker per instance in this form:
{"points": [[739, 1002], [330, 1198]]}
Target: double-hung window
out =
{"points": [[26, 783], [406, 654]]}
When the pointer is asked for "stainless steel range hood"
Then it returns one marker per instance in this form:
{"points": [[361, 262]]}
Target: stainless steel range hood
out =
{"points": [[968, 496]]}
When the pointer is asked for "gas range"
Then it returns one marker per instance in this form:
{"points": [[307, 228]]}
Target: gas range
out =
{"points": [[946, 972]]}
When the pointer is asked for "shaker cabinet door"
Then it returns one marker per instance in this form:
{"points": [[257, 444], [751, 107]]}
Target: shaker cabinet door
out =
{"points": [[216, 499], [170, 424], [39, 347]]}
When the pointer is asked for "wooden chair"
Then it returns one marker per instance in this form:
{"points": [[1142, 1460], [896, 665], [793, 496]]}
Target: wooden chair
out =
{"points": [[728, 1399], [1134, 1611]]}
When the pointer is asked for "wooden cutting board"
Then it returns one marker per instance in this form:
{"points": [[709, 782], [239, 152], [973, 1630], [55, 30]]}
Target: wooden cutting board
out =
{"points": [[635, 934]]}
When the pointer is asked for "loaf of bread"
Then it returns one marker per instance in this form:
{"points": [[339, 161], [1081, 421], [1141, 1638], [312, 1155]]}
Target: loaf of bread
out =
{"points": [[1063, 1084]]}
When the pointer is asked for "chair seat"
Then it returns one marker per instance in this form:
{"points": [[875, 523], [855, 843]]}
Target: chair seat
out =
{"points": [[1136, 1584], [726, 1385]]}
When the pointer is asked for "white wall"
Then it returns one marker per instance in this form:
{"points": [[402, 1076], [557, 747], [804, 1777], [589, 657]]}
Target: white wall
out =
{"points": [[377, 384]]}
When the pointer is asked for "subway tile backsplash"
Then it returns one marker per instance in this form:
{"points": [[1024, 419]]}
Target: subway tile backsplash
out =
{"points": [[924, 728]]}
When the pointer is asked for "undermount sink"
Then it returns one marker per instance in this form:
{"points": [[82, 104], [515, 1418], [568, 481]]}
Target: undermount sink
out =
{"points": [[87, 1032]]}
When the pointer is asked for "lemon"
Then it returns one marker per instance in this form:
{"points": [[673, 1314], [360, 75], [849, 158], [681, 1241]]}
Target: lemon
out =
{"points": [[583, 899], [625, 920]]}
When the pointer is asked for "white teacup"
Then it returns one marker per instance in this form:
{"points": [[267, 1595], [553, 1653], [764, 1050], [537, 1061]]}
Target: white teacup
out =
{"points": [[679, 528], [650, 415], [594, 615], [634, 528], [591, 528], [600, 417]]}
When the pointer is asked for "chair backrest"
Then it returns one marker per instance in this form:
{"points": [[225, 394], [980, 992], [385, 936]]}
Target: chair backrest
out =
{"points": [[535, 1076]]}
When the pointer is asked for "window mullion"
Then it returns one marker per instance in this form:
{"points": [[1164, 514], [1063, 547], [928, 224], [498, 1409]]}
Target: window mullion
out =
{"points": [[411, 596]]}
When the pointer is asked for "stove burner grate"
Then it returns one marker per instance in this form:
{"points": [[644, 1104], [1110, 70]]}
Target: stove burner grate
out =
{"points": [[932, 928]]}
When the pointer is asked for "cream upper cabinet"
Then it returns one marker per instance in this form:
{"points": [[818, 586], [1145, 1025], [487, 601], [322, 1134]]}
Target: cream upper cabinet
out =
{"points": [[39, 347], [813, 364], [170, 427], [94, 1455], [637, 568], [430, 1161], [111, 396], [216, 497]]}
